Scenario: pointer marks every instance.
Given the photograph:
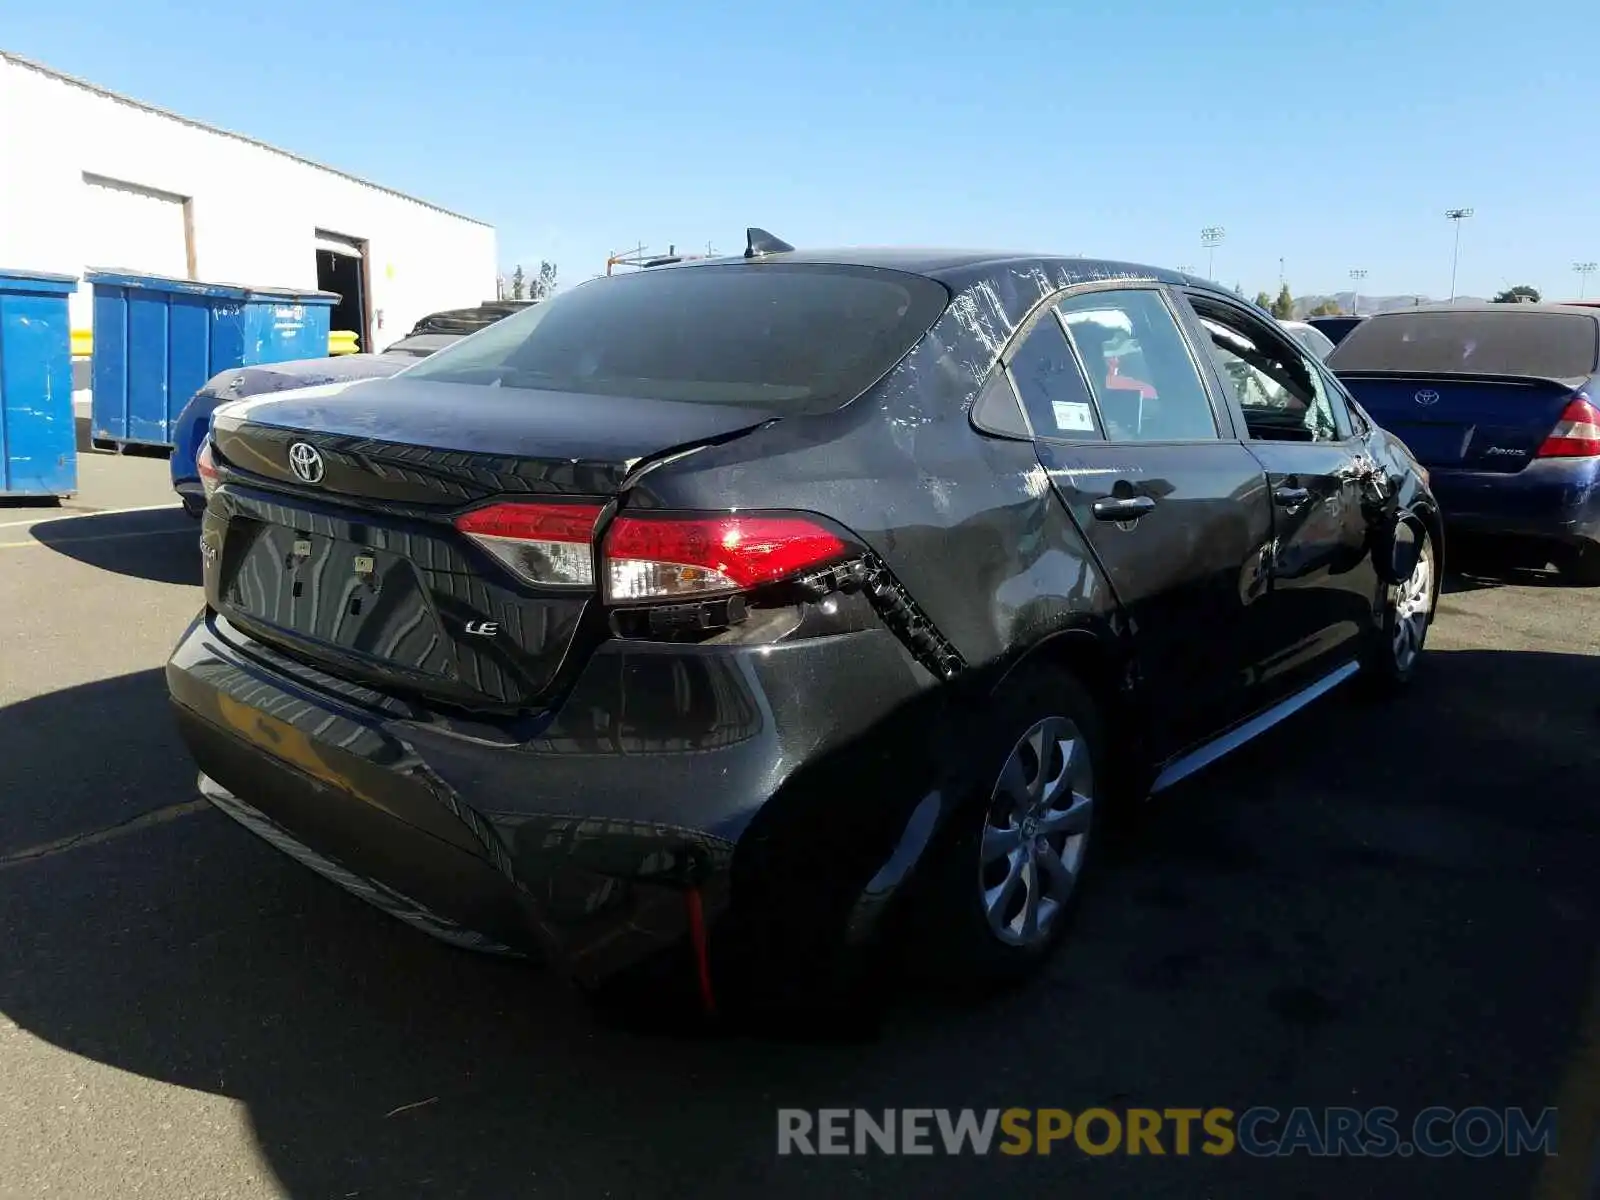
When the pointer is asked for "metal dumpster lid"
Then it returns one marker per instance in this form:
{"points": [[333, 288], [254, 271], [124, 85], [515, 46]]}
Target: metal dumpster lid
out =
{"points": [[11, 275], [312, 295], [116, 277]]}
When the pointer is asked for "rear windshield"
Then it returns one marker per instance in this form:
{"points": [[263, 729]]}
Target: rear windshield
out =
{"points": [[793, 337], [1310, 339], [1518, 341]]}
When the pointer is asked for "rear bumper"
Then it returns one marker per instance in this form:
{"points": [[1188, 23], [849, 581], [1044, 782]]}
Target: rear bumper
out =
{"points": [[192, 494], [1553, 499], [778, 781]]}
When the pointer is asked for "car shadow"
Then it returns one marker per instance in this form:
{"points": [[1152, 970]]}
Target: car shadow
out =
{"points": [[159, 544], [1353, 904]]}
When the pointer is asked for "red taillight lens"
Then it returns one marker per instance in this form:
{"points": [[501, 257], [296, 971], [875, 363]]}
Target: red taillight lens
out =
{"points": [[657, 558], [205, 466], [1577, 433], [546, 544]]}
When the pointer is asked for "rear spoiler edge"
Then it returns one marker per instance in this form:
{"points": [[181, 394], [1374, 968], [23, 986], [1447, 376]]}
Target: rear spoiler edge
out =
{"points": [[1571, 382]]}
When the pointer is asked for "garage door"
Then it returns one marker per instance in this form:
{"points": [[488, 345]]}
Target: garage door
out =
{"points": [[134, 228]]}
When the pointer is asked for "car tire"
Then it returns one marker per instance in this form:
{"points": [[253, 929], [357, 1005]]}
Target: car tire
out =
{"points": [[1581, 565], [1395, 647], [1009, 870]]}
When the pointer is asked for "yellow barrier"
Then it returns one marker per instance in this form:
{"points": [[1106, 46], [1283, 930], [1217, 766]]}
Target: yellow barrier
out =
{"points": [[340, 341]]}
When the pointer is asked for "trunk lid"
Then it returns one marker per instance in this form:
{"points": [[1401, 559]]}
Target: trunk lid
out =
{"points": [[356, 565], [1493, 423]]}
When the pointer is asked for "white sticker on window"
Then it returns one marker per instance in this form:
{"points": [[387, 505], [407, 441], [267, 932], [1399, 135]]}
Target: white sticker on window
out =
{"points": [[1073, 415]]}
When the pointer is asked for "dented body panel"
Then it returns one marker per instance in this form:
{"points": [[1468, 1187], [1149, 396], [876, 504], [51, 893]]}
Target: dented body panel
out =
{"points": [[791, 767]]}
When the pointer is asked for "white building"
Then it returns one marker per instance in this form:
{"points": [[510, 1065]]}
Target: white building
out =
{"points": [[89, 178]]}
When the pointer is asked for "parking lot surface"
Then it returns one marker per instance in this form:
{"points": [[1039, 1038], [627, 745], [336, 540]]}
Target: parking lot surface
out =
{"points": [[1373, 905]]}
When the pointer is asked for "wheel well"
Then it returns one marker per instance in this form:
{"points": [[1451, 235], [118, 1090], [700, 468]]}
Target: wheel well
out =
{"points": [[1435, 527], [1089, 660]]}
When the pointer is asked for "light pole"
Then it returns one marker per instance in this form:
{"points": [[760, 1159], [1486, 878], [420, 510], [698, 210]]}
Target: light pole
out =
{"points": [[1357, 274], [1457, 215], [1211, 237], [1584, 270]]}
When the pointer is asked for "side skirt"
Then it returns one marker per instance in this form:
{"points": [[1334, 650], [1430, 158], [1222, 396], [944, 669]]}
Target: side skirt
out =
{"points": [[1203, 756]]}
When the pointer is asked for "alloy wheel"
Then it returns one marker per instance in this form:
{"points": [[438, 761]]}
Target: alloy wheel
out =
{"points": [[1036, 832], [1413, 601]]}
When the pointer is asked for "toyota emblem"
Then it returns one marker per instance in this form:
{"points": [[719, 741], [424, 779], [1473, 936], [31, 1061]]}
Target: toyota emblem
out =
{"points": [[305, 460], [1427, 397]]}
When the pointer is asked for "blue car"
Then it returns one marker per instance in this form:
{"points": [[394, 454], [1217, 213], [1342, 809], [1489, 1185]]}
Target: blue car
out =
{"points": [[433, 332], [1499, 403]]}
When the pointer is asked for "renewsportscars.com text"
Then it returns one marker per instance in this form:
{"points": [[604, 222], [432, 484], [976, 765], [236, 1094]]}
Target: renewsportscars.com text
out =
{"points": [[1259, 1131]]}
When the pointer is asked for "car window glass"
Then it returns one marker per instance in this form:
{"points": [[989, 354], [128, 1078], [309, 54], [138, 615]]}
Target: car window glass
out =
{"points": [[1051, 385], [1282, 395], [779, 338], [1144, 380]]}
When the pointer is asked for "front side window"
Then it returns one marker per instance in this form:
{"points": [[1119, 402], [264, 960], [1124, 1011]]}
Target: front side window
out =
{"points": [[1283, 396], [782, 337], [1145, 383]]}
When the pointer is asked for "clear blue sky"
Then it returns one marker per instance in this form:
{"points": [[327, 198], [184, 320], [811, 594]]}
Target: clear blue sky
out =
{"points": [[1333, 135]]}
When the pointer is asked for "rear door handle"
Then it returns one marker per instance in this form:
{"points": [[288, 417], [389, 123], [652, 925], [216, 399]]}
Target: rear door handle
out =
{"points": [[1123, 508], [1291, 497]]}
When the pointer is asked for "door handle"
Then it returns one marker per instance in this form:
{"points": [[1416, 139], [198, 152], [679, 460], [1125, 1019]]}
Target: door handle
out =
{"points": [[1291, 497], [1123, 508]]}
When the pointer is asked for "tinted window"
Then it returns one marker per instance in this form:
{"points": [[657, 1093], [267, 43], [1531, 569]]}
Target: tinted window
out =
{"points": [[1518, 340], [1052, 386], [1145, 383], [1337, 328], [791, 337]]}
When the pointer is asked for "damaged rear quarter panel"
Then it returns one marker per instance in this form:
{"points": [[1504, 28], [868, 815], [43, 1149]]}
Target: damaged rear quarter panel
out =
{"points": [[967, 523]]}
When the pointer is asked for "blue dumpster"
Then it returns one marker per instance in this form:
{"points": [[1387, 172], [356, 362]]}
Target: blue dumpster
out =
{"points": [[157, 341], [38, 439]]}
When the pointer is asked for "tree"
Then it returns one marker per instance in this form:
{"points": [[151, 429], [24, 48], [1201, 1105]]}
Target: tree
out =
{"points": [[1283, 306], [1328, 308], [537, 288], [541, 287], [1263, 301], [1521, 294]]}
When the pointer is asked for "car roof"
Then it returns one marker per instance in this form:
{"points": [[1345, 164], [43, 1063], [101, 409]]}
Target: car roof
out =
{"points": [[955, 268]]}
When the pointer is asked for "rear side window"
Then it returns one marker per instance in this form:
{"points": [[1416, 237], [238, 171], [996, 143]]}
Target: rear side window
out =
{"points": [[787, 337], [1145, 382], [1051, 385], [1520, 340]]}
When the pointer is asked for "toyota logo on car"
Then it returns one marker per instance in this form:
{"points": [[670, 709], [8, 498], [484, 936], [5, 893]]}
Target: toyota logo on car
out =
{"points": [[1427, 397], [305, 460]]}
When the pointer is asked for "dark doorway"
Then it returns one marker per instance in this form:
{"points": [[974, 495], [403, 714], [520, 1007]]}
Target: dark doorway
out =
{"points": [[341, 268]]}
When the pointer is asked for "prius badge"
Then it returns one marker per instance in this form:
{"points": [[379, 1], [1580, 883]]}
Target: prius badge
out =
{"points": [[305, 460], [1427, 397]]}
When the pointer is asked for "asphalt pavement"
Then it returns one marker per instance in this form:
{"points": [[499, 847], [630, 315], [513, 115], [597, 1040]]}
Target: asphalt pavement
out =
{"points": [[1375, 905]]}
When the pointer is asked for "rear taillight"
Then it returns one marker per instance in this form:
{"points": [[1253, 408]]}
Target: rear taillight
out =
{"points": [[663, 558], [1577, 433], [547, 544], [205, 466], [651, 557]]}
